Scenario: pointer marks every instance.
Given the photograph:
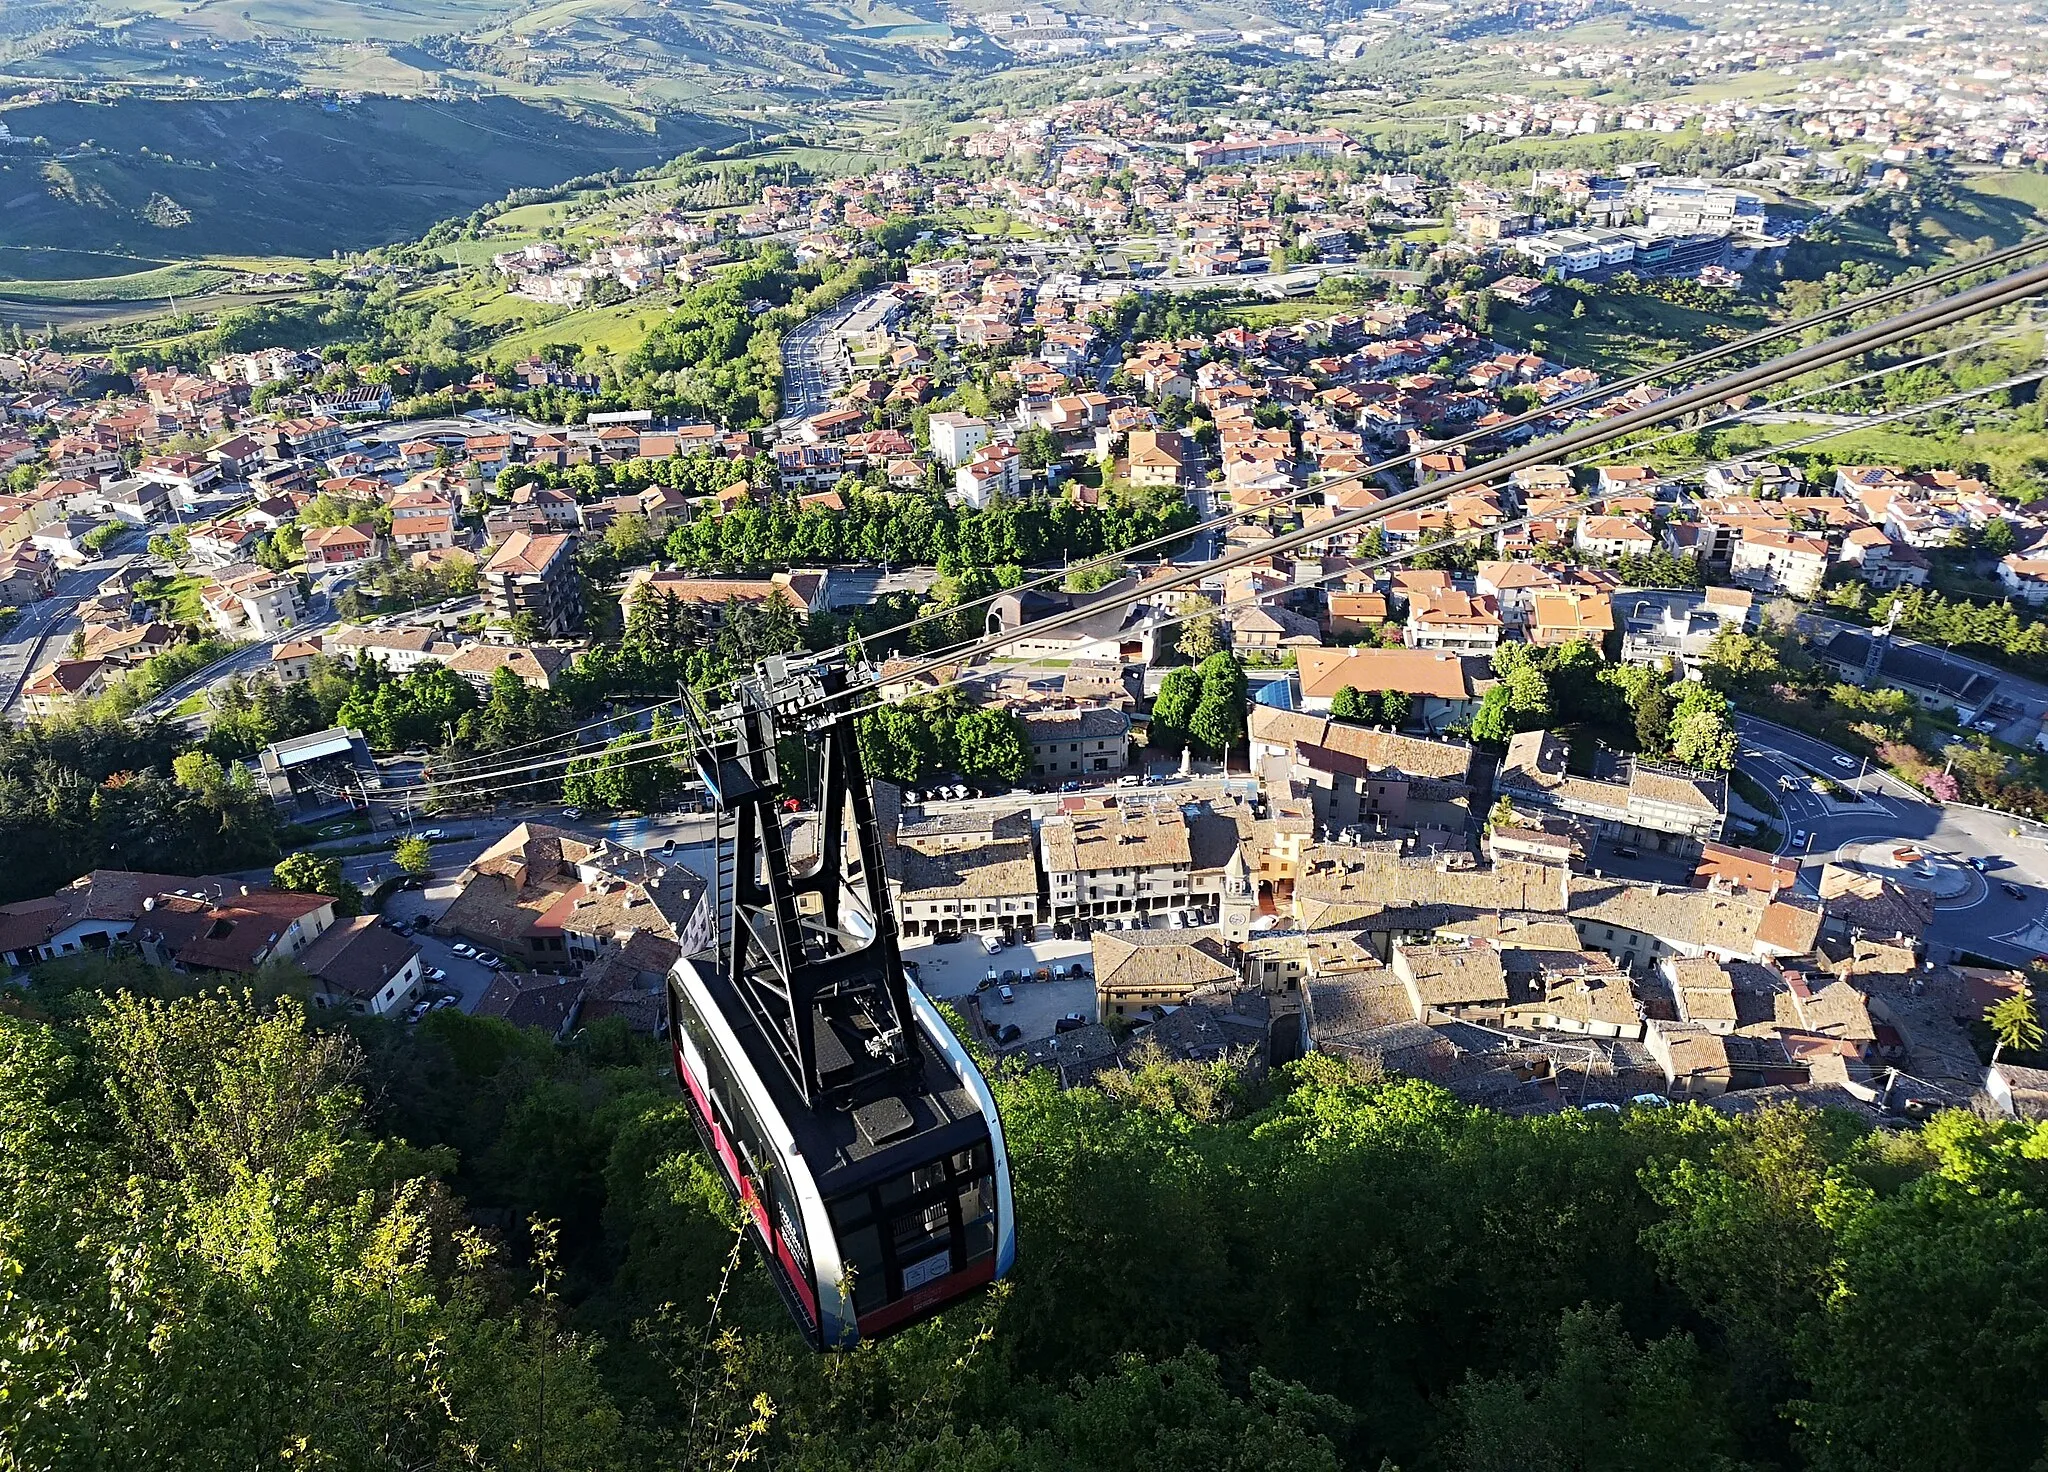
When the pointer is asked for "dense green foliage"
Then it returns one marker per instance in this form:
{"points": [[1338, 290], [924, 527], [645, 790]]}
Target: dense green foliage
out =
{"points": [[1634, 707], [926, 530], [1203, 707], [1371, 707], [919, 739], [96, 791], [1323, 1272]]}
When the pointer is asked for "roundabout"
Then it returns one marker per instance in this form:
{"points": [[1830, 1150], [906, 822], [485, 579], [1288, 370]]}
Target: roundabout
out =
{"points": [[1947, 880]]}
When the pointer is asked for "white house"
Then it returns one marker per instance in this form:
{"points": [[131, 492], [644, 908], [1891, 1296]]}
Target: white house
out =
{"points": [[1787, 562], [1613, 536], [955, 437], [2025, 577], [993, 472]]}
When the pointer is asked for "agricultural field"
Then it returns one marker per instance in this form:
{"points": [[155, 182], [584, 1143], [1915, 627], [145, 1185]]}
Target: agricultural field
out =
{"points": [[1620, 333], [160, 284]]}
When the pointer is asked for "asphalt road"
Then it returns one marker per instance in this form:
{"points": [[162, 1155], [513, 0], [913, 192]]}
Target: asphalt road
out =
{"points": [[810, 362], [1985, 919], [45, 628]]}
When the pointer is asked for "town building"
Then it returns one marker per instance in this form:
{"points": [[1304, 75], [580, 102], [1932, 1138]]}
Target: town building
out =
{"points": [[358, 965], [954, 872], [558, 900], [534, 577], [1084, 741], [1635, 803]]}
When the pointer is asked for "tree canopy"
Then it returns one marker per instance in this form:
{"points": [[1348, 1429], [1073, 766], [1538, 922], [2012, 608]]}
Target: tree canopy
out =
{"points": [[1322, 1269]]}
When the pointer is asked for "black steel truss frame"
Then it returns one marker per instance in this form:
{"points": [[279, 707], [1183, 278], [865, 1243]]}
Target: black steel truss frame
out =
{"points": [[800, 970]]}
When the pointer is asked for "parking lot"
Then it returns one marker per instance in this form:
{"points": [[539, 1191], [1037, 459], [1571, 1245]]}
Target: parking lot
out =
{"points": [[954, 971], [465, 976]]}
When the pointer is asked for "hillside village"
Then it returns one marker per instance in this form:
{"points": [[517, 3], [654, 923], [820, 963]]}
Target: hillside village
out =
{"points": [[1410, 838], [1297, 737]]}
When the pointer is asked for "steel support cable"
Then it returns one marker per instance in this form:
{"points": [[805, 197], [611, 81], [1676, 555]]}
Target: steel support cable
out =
{"points": [[463, 779], [2007, 290], [1591, 499], [465, 763], [1638, 379], [1394, 559]]}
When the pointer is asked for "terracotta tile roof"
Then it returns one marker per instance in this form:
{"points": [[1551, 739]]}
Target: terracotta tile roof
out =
{"points": [[985, 871], [357, 956], [526, 553], [1159, 960], [1116, 838], [1451, 974], [1424, 672]]}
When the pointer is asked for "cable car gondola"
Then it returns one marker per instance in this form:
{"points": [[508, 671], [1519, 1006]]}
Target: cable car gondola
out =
{"points": [[855, 1131]]}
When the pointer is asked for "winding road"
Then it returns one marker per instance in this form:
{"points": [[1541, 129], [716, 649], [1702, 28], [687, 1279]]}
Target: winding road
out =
{"points": [[1984, 919]]}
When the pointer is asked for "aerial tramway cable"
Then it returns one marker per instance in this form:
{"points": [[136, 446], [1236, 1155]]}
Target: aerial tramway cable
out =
{"points": [[668, 753], [480, 768]]}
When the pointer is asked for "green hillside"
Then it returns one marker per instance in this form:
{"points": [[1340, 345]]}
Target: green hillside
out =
{"points": [[271, 176], [639, 53]]}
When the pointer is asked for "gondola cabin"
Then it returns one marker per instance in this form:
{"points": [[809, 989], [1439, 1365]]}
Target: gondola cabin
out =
{"points": [[855, 1131], [869, 1218]]}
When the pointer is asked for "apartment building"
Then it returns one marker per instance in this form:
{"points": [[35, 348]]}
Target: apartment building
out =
{"points": [[1087, 741], [1787, 562], [955, 437], [253, 603], [959, 872], [1121, 861], [535, 575]]}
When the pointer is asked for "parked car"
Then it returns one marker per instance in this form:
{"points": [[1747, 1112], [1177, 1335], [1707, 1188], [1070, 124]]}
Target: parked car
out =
{"points": [[1008, 1033], [1008, 995], [1600, 1106], [1799, 838], [1012, 974], [1133, 780], [1627, 851], [1043, 973], [946, 938], [1063, 930], [419, 1010], [1649, 1101], [436, 974], [1070, 1022], [990, 944], [486, 958], [431, 835], [989, 978], [443, 1003], [463, 948]]}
